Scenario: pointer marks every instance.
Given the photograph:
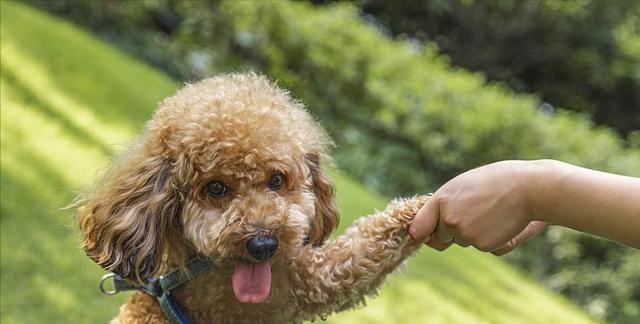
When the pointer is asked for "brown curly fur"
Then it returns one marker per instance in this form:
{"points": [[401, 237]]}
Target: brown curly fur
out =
{"points": [[151, 212]]}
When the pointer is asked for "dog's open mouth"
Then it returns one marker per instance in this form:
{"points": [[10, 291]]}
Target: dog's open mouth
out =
{"points": [[252, 281]]}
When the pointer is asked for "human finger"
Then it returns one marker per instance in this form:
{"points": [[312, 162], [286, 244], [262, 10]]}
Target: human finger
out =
{"points": [[443, 233], [436, 244], [531, 230], [426, 220], [461, 242]]}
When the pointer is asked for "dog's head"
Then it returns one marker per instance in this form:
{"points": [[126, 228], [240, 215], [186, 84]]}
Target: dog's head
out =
{"points": [[229, 167]]}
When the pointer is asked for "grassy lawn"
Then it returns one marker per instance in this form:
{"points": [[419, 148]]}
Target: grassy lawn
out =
{"points": [[70, 102]]}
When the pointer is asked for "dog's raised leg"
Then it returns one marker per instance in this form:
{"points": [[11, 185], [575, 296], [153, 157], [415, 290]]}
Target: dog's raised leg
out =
{"points": [[340, 273]]}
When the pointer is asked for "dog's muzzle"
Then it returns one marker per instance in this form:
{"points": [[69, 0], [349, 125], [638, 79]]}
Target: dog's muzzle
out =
{"points": [[262, 247]]}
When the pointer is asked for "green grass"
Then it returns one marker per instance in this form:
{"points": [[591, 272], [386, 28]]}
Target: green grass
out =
{"points": [[70, 102]]}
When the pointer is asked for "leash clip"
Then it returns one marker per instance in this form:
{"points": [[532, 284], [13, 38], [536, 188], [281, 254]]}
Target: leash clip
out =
{"points": [[106, 278]]}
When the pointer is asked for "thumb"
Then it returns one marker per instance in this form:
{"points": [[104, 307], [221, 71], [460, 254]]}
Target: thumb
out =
{"points": [[528, 232], [425, 222]]}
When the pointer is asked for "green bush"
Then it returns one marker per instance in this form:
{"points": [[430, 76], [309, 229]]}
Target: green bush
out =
{"points": [[577, 54]]}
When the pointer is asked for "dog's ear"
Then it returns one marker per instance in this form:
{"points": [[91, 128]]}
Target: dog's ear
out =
{"points": [[132, 218], [326, 212]]}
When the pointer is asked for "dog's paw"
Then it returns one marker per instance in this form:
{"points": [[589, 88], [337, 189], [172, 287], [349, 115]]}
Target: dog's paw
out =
{"points": [[405, 209]]}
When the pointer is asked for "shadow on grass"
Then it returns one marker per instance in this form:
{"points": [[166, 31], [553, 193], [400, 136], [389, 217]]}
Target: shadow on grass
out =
{"points": [[45, 278], [30, 98], [118, 88]]}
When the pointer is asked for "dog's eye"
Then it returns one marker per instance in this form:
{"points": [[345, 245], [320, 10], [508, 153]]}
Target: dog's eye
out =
{"points": [[217, 189], [276, 181]]}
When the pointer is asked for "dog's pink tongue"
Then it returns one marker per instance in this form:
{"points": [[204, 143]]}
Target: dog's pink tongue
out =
{"points": [[252, 281]]}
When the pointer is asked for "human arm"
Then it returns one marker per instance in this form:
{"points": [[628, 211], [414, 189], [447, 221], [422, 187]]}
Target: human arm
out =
{"points": [[599, 203], [496, 207]]}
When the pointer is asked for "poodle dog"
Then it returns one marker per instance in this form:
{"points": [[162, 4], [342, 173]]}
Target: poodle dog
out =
{"points": [[232, 168]]}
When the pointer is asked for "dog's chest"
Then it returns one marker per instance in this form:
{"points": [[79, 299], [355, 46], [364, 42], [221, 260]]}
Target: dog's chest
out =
{"points": [[210, 299]]}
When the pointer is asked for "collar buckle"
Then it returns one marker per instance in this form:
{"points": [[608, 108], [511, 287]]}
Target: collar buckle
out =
{"points": [[161, 288]]}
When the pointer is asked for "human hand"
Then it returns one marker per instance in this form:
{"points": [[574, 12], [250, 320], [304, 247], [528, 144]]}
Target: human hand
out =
{"points": [[485, 207]]}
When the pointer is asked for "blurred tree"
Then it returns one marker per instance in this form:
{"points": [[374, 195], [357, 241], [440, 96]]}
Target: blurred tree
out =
{"points": [[577, 54]]}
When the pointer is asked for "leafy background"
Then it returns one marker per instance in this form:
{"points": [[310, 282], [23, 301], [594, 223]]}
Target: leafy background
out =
{"points": [[404, 114]]}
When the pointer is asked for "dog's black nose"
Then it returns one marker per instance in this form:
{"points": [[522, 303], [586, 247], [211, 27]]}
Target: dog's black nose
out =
{"points": [[262, 247]]}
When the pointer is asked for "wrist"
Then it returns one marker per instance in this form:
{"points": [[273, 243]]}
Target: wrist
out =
{"points": [[541, 177]]}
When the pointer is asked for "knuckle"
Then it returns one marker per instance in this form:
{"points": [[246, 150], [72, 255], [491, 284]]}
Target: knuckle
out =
{"points": [[483, 245], [452, 221], [464, 237], [442, 247], [441, 199], [463, 243], [437, 245], [512, 244]]}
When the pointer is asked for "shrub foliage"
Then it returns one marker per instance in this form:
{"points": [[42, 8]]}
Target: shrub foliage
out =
{"points": [[579, 54]]}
